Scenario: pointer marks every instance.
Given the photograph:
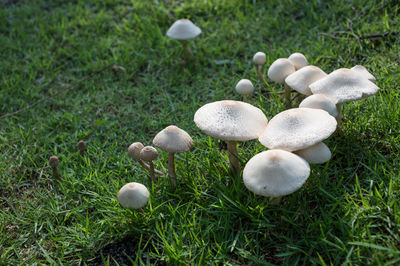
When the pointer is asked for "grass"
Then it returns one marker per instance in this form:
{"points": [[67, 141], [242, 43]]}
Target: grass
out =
{"points": [[347, 212]]}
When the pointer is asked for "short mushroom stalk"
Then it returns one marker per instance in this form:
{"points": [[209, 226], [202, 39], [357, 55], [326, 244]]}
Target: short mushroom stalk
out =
{"points": [[134, 152], [288, 101], [233, 155]]}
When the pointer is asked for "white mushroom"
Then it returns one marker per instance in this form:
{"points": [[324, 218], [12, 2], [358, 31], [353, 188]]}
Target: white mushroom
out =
{"points": [[183, 30], [298, 60], [259, 60], [301, 79], [244, 87], [134, 152], [133, 196], [364, 72], [278, 72], [316, 154], [320, 101], [148, 154]]}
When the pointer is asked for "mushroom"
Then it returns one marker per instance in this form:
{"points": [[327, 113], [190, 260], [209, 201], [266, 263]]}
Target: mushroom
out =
{"points": [[275, 173], [298, 60], [231, 121], [364, 72], [259, 60], [133, 196], [183, 30], [53, 162], [297, 129], [244, 87], [172, 139], [82, 147], [320, 101], [278, 71], [134, 152], [148, 154], [302, 78], [316, 154]]}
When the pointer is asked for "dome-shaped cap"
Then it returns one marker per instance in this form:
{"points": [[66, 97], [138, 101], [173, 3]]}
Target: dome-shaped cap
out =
{"points": [[53, 161], [133, 196], [183, 29], [364, 72], [244, 87], [173, 139], [134, 150], [260, 58], [298, 60], [297, 129], [316, 154], [275, 173], [344, 85], [280, 69], [148, 154], [231, 120], [320, 101], [302, 78]]}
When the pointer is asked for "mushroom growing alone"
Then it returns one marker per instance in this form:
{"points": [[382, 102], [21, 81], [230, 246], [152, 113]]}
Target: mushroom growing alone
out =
{"points": [[133, 196], [183, 30], [278, 71], [148, 154], [53, 162], [82, 147], [134, 152], [231, 121], [259, 60], [244, 87], [172, 139]]}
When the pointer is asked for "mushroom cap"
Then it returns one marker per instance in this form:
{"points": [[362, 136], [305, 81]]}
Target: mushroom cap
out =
{"points": [[260, 58], [298, 60], [298, 128], [344, 85], [173, 139], [244, 87], [275, 173], [148, 153], [320, 101], [53, 161], [134, 150], [133, 196], [183, 29], [316, 154], [82, 145], [231, 120], [280, 69], [364, 72], [302, 78]]}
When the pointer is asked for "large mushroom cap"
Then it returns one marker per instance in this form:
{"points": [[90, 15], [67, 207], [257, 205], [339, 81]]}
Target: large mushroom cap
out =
{"points": [[320, 101], [183, 29], [364, 72], [275, 173], [231, 120], [173, 139], [297, 129], [344, 85], [316, 154], [280, 69], [244, 87], [260, 58], [298, 60], [133, 196], [302, 78]]}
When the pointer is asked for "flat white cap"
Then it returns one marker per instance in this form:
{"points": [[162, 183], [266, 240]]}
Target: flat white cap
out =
{"points": [[231, 120], [275, 173], [244, 87], [280, 69], [302, 78], [148, 153], [298, 60], [183, 29], [298, 128], [260, 58], [364, 72], [316, 154], [344, 85], [133, 196], [173, 139], [320, 101], [134, 150]]}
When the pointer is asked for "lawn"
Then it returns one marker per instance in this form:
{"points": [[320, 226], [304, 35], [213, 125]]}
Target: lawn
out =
{"points": [[104, 72]]}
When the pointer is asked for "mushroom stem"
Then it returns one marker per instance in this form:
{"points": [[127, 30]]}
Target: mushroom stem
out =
{"points": [[260, 75], [245, 98], [287, 96], [233, 155], [171, 168], [275, 200], [340, 115], [151, 170], [147, 167], [186, 48], [55, 172]]}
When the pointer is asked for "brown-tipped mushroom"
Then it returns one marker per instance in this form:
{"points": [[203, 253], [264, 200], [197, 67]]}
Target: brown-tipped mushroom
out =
{"points": [[82, 147], [53, 162], [172, 139], [148, 154], [134, 152]]}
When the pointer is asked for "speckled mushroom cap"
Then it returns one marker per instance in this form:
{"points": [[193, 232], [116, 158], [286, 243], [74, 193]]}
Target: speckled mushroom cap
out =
{"points": [[275, 173], [244, 87], [134, 150], [344, 85], [183, 29], [364, 72], [302, 78], [173, 139], [316, 154], [148, 154], [320, 101], [280, 69], [231, 120], [298, 60], [260, 58], [133, 196], [297, 129]]}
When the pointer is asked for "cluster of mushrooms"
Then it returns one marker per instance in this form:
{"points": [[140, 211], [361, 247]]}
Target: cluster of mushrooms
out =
{"points": [[294, 137]]}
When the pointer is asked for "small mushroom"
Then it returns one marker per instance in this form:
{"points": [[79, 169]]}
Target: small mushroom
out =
{"points": [[148, 154], [172, 139], [320, 101], [317, 154], [302, 78], [259, 60], [53, 162], [183, 30], [298, 60], [133, 196], [244, 87], [82, 147], [134, 152], [278, 71]]}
